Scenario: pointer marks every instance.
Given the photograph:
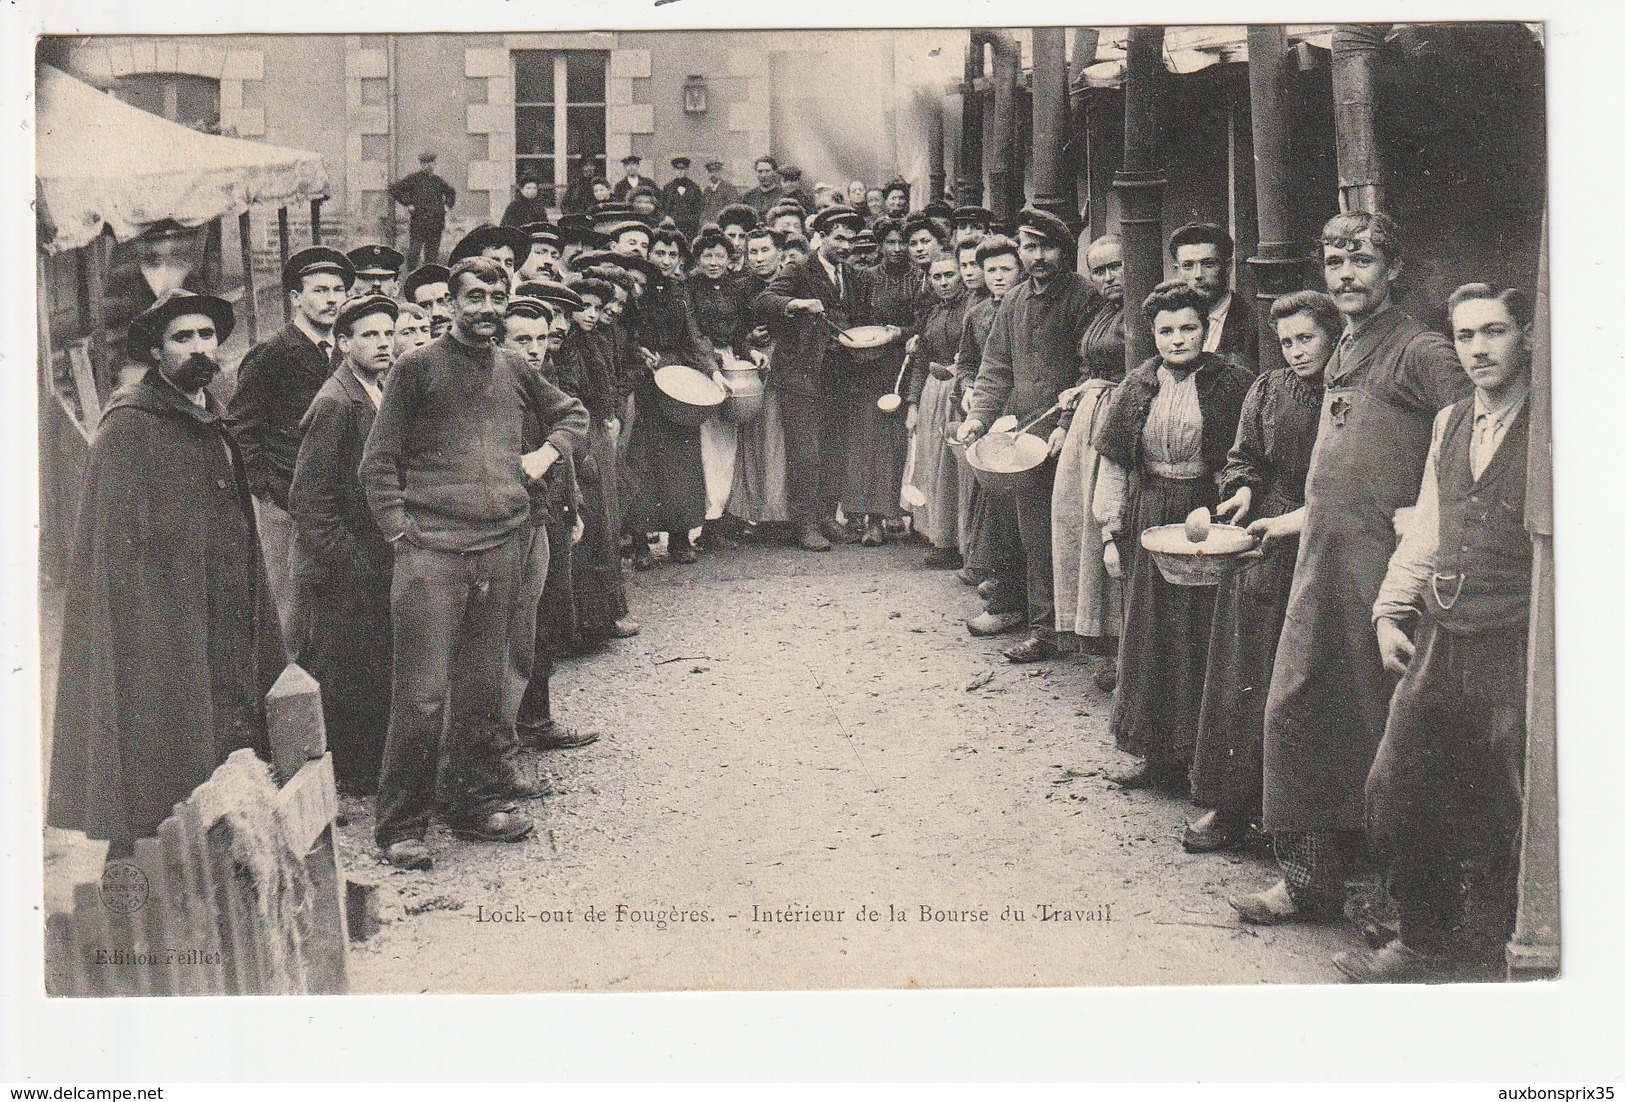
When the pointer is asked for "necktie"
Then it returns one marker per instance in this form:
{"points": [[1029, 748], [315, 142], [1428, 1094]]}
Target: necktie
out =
{"points": [[326, 348]]}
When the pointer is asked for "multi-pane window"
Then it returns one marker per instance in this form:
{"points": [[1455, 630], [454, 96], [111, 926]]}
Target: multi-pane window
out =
{"points": [[559, 108]]}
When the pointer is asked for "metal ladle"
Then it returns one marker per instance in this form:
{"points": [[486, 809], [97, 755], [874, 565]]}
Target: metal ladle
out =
{"points": [[1007, 423], [891, 403]]}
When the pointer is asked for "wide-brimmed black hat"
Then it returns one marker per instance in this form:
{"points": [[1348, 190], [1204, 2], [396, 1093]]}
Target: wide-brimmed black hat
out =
{"points": [[576, 229], [612, 230], [429, 273], [1041, 223], [317, 258], [375, 261], [713, 165], [938, 209], [488, 236], [147, 330], [362, 306], [631, 159], [830, 217], [680, 162]]}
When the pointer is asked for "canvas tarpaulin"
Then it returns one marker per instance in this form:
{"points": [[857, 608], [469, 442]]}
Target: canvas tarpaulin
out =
{"points": [[102, 163]]}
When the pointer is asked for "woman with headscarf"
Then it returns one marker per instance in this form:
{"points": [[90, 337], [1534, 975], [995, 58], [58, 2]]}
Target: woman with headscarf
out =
{"points": [[1264, 477], [1164, 440], [929, 390], [878, 452]]}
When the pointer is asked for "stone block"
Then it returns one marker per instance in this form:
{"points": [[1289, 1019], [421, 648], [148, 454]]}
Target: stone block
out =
{"points": [[487, 118], [490, 176], [630, 63], [634, 118], [367, 64], [251, 122], [370, 119], [243, 65], [618, 91], [485, 62], [748, 116], [166, 58], [144, 57], [499, 91]]}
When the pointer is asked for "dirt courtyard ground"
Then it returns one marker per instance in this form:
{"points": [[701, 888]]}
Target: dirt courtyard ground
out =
{"points": [[811, 776]]}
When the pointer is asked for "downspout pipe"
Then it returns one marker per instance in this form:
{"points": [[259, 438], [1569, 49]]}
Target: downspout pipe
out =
{"points": [[968, 188], [1356, 52], [1004, 167], [1140, 185]]}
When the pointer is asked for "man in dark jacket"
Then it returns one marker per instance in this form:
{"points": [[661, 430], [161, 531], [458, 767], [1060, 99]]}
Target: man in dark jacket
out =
{"points": [[169, 639], [716, 193], [682, 199], [1032, 354], [1202, 254], [805, 307], [341, 564], [447, 477], [428, 198], [634, 179], [275, 384]]}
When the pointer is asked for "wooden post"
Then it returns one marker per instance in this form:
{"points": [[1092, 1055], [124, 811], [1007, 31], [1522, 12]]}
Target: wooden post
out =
{"points": [[1140, 185], [1355, 48], [1278, 265], [1052, 191], [1085, 47], [1534, 952], [316, 221], [245, 240], [1004, 170], [282, 251], [968, 186], [293, 718]]}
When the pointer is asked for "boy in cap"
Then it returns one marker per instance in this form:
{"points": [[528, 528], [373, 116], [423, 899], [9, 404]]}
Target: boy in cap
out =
{"points": [[170, 640], [682, 199], [275, 384], [427, 198], [632, 166], [341, 564]]}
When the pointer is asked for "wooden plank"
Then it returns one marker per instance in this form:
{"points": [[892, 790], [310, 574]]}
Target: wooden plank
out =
{"points": [[64, 965], [245, 241], [90, 936], [293, 720], [192, 903], [326, 935], [308, 804], [156, 930], [215, 904]]}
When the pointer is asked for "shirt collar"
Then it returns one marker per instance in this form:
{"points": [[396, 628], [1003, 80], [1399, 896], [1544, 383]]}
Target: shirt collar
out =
{"points": [[1221, 309], [1503, 412], [305, 330]]}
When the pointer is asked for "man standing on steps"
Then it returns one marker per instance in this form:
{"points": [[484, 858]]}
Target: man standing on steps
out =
{"points": [[1033, 354], [275, 384], [716, 192], [447, 478], [428, 198], [682, 199]]}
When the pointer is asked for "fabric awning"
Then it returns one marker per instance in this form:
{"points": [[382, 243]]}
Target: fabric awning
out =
{"points": [[101, 162]]}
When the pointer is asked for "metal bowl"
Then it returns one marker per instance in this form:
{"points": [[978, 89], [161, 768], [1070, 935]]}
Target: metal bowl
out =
{"points": [[686, 397], [1226, 550], [1005, 462], [867, 336]]}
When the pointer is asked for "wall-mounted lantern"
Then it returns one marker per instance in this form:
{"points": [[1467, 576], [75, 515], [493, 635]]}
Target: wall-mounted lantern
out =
{"points": [[696, 98]]}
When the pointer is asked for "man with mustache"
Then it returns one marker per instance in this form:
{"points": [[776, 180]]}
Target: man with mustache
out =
{"points": [[275, 384], [170, 640], [1386, 381], [427, 288], [448, 479], [341, 564], [1033, 354]]}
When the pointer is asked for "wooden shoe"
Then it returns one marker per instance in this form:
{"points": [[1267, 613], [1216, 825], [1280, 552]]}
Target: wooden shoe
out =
{"points": [[1271, 907], [409, 853], [1395, 962]]}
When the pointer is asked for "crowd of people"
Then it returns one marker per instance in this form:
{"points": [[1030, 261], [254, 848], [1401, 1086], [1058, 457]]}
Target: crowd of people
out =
{"points": [[426, 489]]}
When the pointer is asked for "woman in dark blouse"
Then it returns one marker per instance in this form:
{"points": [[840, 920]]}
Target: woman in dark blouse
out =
{"points": [[1264, 477]]}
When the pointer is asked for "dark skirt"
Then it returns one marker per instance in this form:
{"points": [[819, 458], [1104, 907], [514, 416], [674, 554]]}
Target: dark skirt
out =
{"points": [[877, 448], [993, 544], [1249, 609], [1162, 656], [666, 491], [599, 587]]}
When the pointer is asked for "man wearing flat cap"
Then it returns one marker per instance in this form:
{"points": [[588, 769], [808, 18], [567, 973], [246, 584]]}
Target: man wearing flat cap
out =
{"points": [[632, 167], [1030, 356], [427, 197], [971, 221], [804, 307], [429, 289], [717, 192], [377, 270], [542, 260], [504, 244], [275, 384], [341, 564], [170, 640], [682, 199]]}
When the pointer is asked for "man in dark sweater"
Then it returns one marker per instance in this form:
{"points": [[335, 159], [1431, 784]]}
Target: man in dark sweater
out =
{"points": [[427, 197], [447, 478], [1031, 355], [1444, 798], [275, 385]]}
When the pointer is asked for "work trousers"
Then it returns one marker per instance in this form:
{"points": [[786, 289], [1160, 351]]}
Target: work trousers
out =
{"points": [[423, 246], [1444, 798], [815, 446], [455, 618], [1033, 524], [275, 527]]}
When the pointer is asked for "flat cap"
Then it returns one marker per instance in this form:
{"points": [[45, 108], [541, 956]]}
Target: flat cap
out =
{"points": [[543, 233], [713, 165], [1043, 224], [376, 261], [553, 292], [830, 217], [972, 216], [938, 209], [363, 306], [429, 273], [488, 236], [680, 161], [317, 258]]}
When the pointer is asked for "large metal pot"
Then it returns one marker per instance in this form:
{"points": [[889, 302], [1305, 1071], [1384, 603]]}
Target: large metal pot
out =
{"points": [[1005, 462], [1226, 550], [686, 397], [747, 392]]}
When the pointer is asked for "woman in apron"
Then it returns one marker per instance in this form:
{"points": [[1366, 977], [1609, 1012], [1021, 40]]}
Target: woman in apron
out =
{"points": [[929, 391]]}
